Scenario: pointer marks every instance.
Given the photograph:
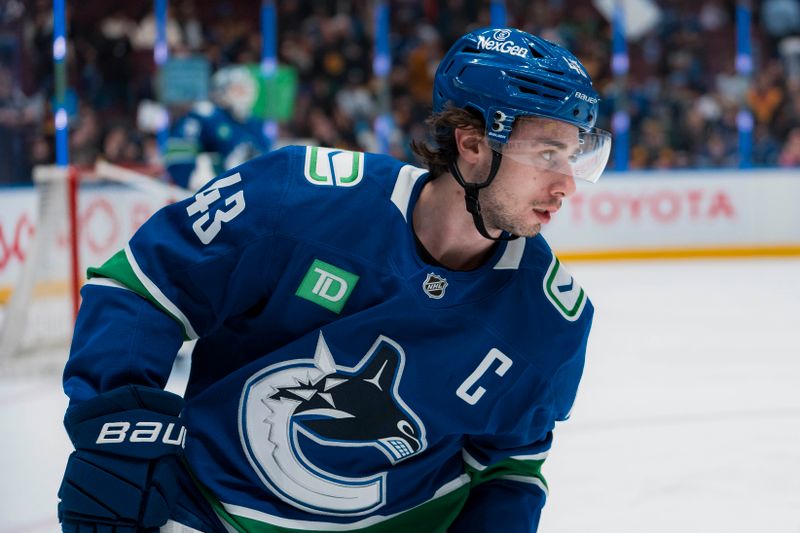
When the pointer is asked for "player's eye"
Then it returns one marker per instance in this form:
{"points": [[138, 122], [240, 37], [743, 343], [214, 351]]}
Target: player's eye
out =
{"points": [[548, 155]]}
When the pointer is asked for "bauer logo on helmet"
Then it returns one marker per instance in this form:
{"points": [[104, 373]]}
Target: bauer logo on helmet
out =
{"points": [[586, 98]]}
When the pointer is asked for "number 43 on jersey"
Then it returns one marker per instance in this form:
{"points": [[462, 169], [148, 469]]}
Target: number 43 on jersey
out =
{"points": [[206, 228]]}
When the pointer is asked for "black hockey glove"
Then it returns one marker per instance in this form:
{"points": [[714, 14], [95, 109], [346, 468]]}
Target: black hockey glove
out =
{"points": [[121, 478]]}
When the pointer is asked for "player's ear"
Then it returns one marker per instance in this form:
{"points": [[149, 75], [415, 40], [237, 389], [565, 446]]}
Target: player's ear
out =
{"points": [[469, 142]]}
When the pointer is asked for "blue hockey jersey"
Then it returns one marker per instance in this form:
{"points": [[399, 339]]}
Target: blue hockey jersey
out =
{"points": [[339, 382], [210, 129]]}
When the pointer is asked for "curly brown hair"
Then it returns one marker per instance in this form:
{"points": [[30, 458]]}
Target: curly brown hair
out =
{"points": [[438, 154]]}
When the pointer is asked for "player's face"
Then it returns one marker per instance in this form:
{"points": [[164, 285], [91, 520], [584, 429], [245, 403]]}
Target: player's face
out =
{"points": [[534, 177]]}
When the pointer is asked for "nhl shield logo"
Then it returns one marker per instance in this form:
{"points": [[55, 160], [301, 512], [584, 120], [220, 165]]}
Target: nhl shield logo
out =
{"points": [[434, 286]]}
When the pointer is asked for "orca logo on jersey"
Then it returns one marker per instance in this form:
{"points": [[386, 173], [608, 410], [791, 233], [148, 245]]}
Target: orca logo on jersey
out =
{"points": [[302, 417]]}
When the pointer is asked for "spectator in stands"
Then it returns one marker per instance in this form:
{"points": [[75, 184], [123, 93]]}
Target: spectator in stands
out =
{"points": [[144, 36], [718, 152], [190, 25], [765, 147], [681, 71], [422, 62], [765, 95], [788, 117], [790, 154], [20, 116], [41, 151], [120, 145], [113, 52], [85, 136]]}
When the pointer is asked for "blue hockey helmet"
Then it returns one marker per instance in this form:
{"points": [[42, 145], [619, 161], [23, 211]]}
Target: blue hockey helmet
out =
{"points": [[505, 74], [508, 73]]}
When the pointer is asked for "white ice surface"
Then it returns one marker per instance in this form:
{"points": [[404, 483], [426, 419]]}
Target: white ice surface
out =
{"points": [[687, 419], [688, 415]]}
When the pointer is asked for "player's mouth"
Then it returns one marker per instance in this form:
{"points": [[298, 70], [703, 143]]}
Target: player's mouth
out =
{"points": [[544, 215]]}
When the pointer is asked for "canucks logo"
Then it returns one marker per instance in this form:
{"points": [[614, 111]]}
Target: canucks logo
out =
{"points": [[332, 167], [563, 291], [335, 407]]}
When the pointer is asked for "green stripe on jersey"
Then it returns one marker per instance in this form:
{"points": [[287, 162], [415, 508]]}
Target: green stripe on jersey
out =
{"points": [[119, 269], [507, 467], [434, 516]]}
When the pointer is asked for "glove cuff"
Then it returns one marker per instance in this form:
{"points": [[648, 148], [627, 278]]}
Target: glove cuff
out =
{"points": [[125, 399], [131, 421]]}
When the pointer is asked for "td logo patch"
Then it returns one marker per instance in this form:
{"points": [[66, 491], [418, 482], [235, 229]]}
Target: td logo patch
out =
{"points": [[333, 167], [563, 291], [327, 285]]}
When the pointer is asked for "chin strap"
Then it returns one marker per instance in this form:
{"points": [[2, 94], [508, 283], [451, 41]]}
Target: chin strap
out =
{"points": [[471, 196]]}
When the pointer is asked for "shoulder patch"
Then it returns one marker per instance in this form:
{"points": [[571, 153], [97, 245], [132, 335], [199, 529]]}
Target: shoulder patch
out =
{"points": [[327, 285], [563, 291], [333, 167]]}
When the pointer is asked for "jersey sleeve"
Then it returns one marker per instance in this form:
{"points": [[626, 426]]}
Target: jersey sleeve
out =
{"points": [[508, 489], [189, 267]]}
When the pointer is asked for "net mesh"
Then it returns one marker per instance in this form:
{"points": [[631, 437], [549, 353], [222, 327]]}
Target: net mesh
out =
{"points": [[36, 322]]}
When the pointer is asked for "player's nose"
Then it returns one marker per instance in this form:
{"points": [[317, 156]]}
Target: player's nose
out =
{"points": [[563, 184]]}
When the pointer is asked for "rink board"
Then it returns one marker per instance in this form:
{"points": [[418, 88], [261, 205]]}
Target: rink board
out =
{"points": [[624, 216]]}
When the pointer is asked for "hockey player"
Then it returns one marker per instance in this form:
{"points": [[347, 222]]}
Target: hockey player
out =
{"points": [[372, 356], [216, 135]]}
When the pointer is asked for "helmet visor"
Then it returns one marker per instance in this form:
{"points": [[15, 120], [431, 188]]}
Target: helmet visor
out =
{"points": [[582, 157]]}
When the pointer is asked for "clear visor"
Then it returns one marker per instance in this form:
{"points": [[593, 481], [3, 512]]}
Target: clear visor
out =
{"points": [[582, 157]]}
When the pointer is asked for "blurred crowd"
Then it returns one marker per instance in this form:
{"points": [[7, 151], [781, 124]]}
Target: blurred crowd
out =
{"points": [[682, 92]]}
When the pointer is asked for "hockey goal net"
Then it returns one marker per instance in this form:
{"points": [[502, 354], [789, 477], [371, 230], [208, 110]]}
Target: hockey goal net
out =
{"points": [[74, 218]]}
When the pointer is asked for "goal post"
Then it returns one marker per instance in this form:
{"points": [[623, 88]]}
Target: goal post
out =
{"points": [[82, 217], [74, 239]]}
